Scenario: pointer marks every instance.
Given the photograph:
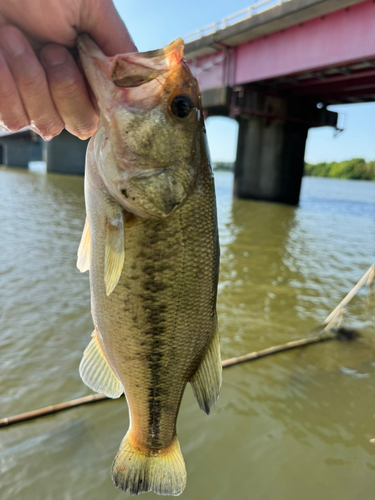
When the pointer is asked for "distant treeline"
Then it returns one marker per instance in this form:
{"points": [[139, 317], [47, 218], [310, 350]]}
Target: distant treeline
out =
{"points": [[350, 169], [222, 165]]}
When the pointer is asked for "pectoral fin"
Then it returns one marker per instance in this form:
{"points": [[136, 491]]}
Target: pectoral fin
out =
{"points": [[114, 252], [206, 382], [96, 372], [83, 261]]}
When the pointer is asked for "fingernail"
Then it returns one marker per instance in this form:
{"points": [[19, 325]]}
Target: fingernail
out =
{"points": [[12, 43], [54, 56], [45, 137]]}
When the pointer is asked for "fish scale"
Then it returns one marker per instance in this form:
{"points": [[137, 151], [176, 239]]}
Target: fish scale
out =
{"points": [[165, 315]]}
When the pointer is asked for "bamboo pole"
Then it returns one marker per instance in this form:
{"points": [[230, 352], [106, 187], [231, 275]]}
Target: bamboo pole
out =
{"points": [[371, 277], [48, 410], [278, 348], [328, 333], [367, 276]]}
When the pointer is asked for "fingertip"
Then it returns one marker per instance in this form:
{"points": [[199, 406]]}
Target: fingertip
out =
{"points": [[53, 55], [69, 91], [48, 131], [13, 125], [84, 131], [12, 41], [13, 116]]}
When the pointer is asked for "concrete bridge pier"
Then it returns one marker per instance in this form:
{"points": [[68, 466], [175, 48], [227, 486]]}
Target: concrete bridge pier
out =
{"points": [[271, 145], [16, 153], [65, 154], [270, 160]]}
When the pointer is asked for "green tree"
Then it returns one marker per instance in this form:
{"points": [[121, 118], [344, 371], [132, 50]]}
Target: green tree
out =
{"points": [[356, 168]]}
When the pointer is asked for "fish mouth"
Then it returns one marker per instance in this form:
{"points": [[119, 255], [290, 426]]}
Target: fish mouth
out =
{"points": [[135, 69], [129, 70]]}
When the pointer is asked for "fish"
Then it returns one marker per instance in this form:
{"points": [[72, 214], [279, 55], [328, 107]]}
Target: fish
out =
{"points": [[151, 246]]}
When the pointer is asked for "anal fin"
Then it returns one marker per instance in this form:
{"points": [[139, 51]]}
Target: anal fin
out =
{"points": [[206, 382], [96, 372], [83, 260], [114, 252]]}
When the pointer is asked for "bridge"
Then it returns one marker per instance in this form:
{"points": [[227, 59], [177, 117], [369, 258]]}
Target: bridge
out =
{"points": [[275, 67], [65, 154]]}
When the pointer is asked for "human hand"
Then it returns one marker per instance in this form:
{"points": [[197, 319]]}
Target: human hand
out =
{"points": [[41, 84]]}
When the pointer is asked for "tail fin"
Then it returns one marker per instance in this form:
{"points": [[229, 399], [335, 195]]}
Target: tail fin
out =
{"points": [[138, 472]]}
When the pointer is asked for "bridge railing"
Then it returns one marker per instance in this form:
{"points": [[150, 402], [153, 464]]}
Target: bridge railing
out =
{"points": [[252, 10]]}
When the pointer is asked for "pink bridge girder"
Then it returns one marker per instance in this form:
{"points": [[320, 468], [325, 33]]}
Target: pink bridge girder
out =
{"points": [[339, 39]]}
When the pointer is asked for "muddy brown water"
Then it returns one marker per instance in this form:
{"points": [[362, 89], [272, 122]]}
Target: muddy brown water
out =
{"points": [[291, 426]]}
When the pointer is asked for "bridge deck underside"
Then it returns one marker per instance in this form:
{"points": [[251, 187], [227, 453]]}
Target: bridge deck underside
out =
{"points": [[330, 58], [338, 85]]}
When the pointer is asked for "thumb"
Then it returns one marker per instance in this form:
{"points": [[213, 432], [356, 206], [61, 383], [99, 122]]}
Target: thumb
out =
{"points": [[103, 23]]}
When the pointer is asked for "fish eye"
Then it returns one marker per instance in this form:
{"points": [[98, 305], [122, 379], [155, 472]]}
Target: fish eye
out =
{"points": [[182, 105]]}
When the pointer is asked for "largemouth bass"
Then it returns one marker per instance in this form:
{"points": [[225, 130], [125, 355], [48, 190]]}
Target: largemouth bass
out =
{"points": [[150, 243]]}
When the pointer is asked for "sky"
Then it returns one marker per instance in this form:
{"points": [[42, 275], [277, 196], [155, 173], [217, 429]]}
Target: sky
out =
{"points": [[154, 24]]}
